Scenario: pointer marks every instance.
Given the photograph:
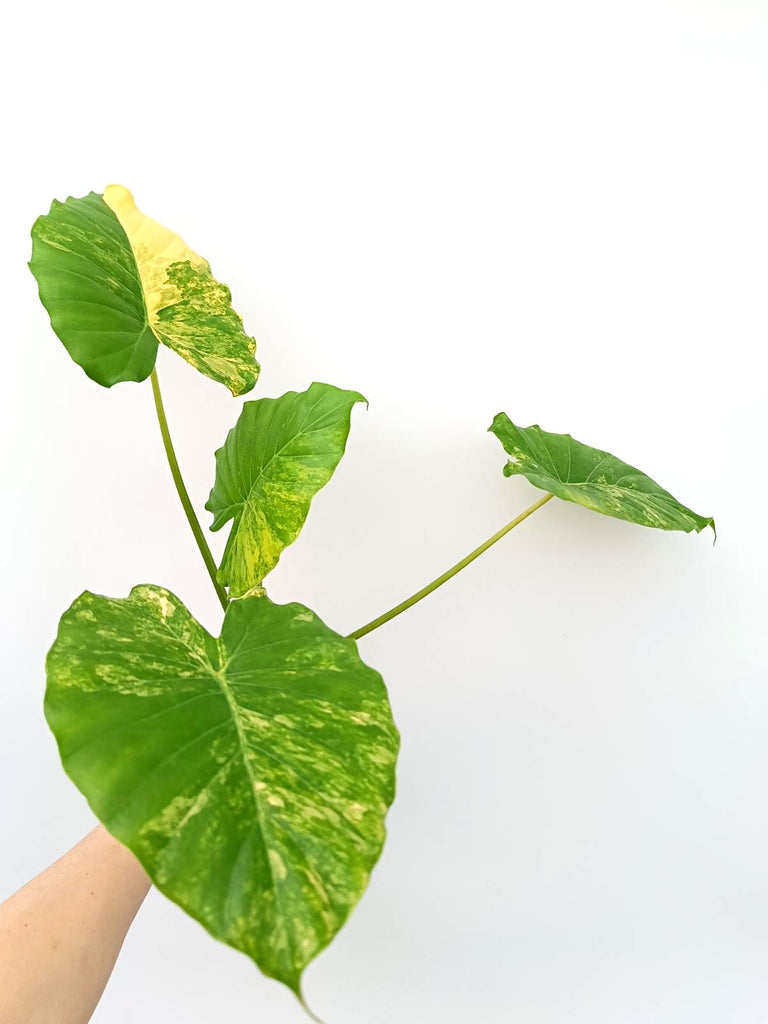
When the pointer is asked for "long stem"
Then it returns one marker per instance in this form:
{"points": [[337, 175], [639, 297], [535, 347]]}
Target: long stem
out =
{"points": [[409, 602], [189, 511]]}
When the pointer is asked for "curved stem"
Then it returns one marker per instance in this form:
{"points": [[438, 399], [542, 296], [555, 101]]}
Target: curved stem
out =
{"points": [[306, 1008], [189, 511], [375, 623]]}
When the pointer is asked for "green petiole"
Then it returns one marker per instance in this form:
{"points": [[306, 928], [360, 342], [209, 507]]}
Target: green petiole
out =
{"points": [[414, 598], [181, 489]]}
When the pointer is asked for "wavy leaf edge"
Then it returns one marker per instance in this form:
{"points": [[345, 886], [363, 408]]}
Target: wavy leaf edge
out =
{"points": [[160, 595], [520, 444]]}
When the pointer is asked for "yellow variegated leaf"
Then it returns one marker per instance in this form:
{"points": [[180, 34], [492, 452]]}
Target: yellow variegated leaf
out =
{"points": [[115, 282], [591, 477], [275, 459], [250, 773]]}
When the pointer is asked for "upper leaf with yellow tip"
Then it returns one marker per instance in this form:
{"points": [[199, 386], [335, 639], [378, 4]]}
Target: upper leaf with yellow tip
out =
{"points": [[115, 283]]}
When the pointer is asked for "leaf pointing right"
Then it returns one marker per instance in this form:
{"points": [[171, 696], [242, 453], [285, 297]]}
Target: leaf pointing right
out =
{"points": [[573, 471]]}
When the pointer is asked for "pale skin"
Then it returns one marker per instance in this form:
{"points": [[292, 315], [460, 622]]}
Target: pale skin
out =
{"points": [[61, 934]]}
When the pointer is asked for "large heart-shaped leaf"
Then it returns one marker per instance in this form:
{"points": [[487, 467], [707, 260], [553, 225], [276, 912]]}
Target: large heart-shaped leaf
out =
{"points": [[275, 459], [250, 774], [116, 282], [591, 477]]}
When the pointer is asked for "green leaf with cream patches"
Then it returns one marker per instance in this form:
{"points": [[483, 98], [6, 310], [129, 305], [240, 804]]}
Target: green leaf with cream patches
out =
{"points": [[115, 283], [250, 774], [201, 326], [591, 477], [275, 459]]}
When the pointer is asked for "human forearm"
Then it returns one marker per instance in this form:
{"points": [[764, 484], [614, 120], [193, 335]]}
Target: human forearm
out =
{"points": [[60, 935]]}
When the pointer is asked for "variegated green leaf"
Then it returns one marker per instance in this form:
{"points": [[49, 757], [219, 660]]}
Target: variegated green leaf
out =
{"points": [[116, 282], [250, 774], [275, 459], [591, 477]]}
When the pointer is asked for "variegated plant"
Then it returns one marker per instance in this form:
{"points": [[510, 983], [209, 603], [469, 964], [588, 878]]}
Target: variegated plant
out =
{"points": [[251, 772]]}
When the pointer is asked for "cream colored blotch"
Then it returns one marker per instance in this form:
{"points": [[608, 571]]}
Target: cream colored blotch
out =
{"points": [[154, 248]]}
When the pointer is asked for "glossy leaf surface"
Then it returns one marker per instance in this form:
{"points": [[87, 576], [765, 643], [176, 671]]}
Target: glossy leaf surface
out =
{"points": [[116, 282], [275, 459], [591, 477], [89, 283], [250, 774]]}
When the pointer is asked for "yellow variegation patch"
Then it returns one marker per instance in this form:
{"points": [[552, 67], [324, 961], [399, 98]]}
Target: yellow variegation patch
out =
{"points": [[187, 309], [155, 249]]}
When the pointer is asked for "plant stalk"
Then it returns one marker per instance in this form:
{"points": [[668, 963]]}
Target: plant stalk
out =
{"points": [[189, 511], [414, 598]]}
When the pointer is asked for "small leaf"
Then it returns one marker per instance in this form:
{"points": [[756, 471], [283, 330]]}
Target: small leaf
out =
{"points": [[588, 476], [249, 774], [116, 282], [275, 459]]}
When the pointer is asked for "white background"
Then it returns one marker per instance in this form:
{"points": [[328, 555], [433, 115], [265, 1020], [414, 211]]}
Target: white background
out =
{"points": [[557, 209]]}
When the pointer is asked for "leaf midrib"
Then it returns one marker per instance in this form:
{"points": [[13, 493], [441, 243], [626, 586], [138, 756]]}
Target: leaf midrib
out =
{"points": [[244, 748]]}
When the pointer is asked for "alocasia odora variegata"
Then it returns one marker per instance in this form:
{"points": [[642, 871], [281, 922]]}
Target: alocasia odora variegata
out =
{"points": [[251, 772], [116, 283]]}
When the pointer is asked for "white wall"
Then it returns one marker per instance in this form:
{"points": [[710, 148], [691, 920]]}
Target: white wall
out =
{"points": [[557, 209]]}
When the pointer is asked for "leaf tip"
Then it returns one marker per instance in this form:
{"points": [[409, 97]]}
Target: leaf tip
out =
{"points": [[238, 390], [495, 422], [117, 195]]}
